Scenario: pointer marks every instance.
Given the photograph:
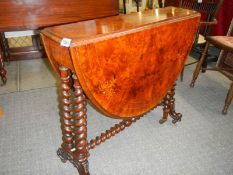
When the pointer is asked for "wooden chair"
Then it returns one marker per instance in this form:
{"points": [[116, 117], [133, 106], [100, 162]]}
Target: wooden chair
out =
{"points": [[208, 10], [137, 4], [167, 3], [225, 61]]}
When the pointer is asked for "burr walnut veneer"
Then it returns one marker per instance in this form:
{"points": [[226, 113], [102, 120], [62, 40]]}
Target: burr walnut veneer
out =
{"points": [[126, 65]]}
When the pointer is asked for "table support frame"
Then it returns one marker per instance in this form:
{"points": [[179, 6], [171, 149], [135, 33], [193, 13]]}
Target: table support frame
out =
{"points": [[75, 147]]}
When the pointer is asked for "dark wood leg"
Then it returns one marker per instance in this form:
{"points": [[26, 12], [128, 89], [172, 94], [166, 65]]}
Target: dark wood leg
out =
{"points": [[199, 65], [166, 108], [174, 115], [81, 167], [73, 123], [160, 2], [204, 65], [66, 115], [80, 127], [137, 3], [4, 48], [169, 107], [124, 6], [2, 69], [228, 100], [182, 75], [67, 119]]}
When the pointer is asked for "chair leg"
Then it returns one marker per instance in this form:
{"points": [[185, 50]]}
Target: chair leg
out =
{"points": [[2, 72], [137, 3], [124, 6], [2, 69], [182, 75], [5, 48], [228, 99], [199, 65], [204, 64]]}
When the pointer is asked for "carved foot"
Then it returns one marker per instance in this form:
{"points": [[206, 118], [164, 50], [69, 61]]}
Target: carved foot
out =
{"points": [[162, 120], [3, 80], [82, 167], [166, 111], [63, 155], [176, 117], [168, 104]]}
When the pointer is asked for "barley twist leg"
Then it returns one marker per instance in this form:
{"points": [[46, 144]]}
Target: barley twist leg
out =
{"points": [[175, 116], [166, 109], [66, 115], [80, 128]]}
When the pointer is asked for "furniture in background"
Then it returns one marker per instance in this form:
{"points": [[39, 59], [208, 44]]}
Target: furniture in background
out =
{"points": [[208, 9], [224, 18], [225, 61], [2, 65], [21, 45], [167, 3], [123, 65], [133, 6], [128, 6], [24, 15]]}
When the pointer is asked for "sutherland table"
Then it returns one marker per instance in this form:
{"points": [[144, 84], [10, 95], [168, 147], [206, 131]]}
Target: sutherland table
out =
{"points": [[125, 65]]}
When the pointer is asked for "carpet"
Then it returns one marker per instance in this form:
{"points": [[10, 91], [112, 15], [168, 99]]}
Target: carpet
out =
{"points": [[202, 143]]}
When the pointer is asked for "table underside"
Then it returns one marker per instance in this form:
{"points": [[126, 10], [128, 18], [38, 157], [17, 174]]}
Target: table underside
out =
{"points": [[75, 147]]}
